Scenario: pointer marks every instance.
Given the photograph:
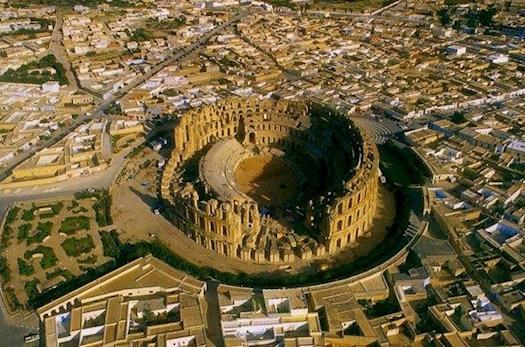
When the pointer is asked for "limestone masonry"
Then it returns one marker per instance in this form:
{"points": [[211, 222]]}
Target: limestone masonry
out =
{"points": [[333, 164]]}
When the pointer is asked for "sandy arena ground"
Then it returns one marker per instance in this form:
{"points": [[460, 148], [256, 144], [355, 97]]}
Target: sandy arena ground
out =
{"points": [[267, 179]]}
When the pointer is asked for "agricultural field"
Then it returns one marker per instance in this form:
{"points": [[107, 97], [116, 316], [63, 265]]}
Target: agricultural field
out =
{"points": [[47, 242]]}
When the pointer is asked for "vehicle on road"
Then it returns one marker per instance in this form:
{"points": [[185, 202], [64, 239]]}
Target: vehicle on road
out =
{"points": [[31, 337]]}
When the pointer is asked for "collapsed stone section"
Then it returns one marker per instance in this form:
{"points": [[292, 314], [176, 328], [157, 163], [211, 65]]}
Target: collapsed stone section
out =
{"points": [[337, 163]]}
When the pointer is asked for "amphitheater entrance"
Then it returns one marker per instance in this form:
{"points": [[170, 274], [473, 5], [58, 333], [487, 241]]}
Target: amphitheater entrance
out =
{"points": [[267, 179], [252, 138]]}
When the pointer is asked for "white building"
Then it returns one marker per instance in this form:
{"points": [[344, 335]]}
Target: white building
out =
{"points": [[51, 87], [254, 319], [456, 50]]}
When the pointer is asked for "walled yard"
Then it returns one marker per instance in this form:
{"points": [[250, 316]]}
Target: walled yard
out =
{"points": [[47, 242]]}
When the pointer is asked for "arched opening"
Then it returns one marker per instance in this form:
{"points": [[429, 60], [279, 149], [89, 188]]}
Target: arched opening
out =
{"points": [[224, 231], [339, 243], [340, 225]]}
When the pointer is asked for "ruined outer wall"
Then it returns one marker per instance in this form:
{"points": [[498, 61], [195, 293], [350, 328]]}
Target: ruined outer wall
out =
{"points": [[225, 226]]}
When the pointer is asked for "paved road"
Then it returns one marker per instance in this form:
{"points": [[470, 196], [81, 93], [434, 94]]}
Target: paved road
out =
{"points": [[13, 336], [367, 18], [175, 58], [56, 47]]}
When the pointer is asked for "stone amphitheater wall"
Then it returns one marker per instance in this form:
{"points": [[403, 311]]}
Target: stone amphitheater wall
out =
{"points": [[236, 228]]}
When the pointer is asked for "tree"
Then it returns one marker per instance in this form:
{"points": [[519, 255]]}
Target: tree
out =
{"points": [[486, 17], [444, 16], [472, 19], [458, 117]]}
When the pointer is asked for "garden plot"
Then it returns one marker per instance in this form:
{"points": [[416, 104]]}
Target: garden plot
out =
{"points": [[47, 242]]}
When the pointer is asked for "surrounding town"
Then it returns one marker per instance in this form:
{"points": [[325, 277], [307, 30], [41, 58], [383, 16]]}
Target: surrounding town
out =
{"points": [[91, 92]]}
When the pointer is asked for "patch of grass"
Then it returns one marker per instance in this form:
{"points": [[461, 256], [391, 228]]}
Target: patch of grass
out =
{"points": [[74, 204], [85, 194], [103, 209], [92, 259], [59, 272], [43, 230], [75, 247], [5, 271], [23, 231], [11, 215], [12, 300], [55, 210], [31, 288], [110, 243], [7, 233], [24, 268], [70, 225], [28, 215], [80, 210], [49, 258]]}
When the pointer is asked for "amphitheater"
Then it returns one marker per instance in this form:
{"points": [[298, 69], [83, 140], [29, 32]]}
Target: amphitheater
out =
{"points": [[271, 181]]}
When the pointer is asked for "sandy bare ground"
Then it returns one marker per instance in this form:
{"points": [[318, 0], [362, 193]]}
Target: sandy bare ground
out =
{"points": [[267, 179]]}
